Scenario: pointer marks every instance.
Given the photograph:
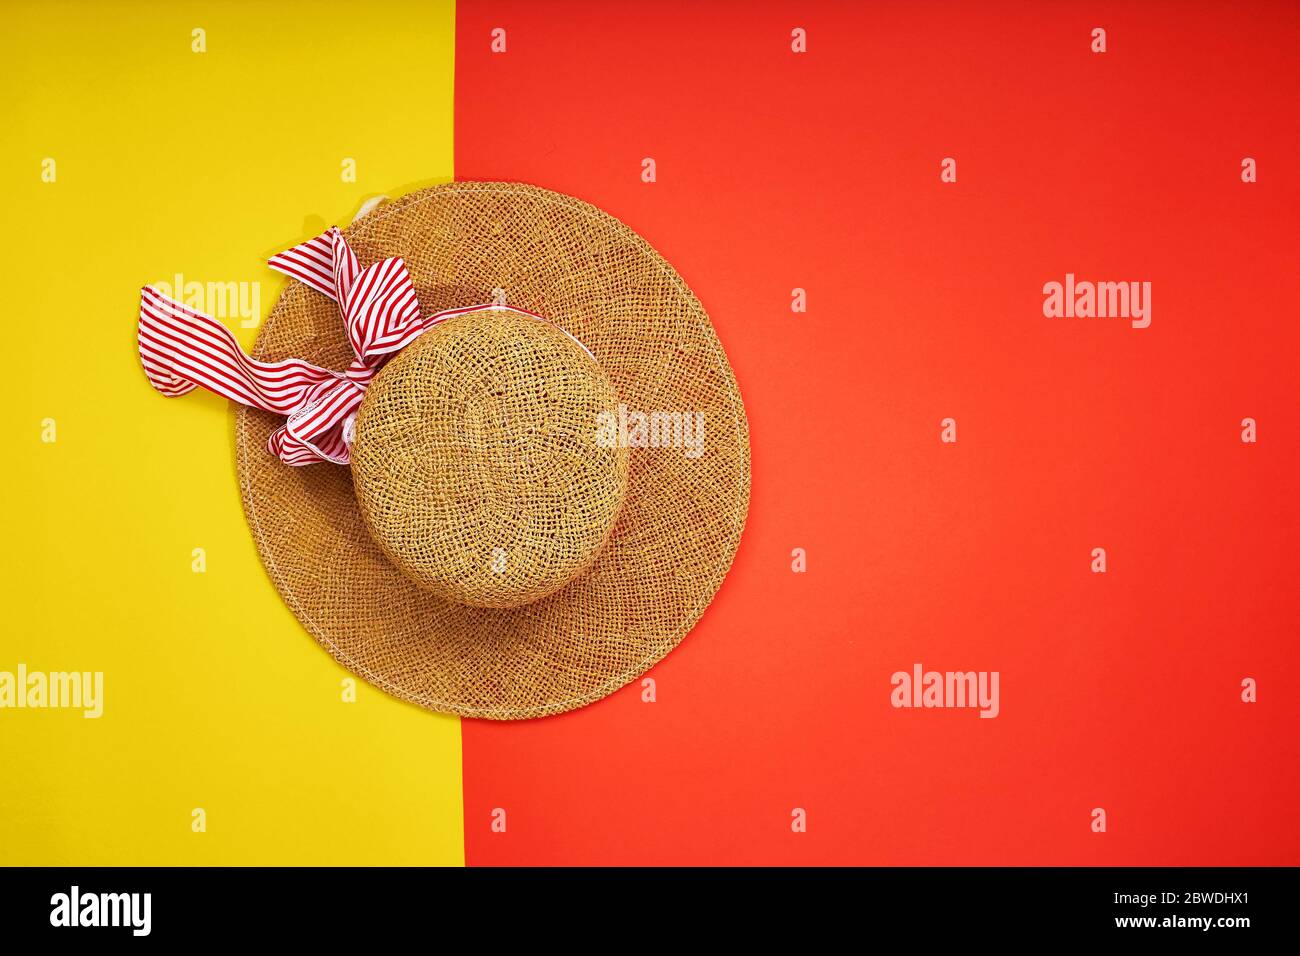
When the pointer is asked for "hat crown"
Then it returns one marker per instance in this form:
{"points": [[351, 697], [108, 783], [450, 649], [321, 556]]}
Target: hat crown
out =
{"points": [[476, 462]]}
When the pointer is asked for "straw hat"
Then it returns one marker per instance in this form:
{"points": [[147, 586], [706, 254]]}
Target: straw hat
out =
{"points": [[540, 503]]}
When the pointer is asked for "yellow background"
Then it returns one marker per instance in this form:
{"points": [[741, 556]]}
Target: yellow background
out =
{"points": [[202, 163]]}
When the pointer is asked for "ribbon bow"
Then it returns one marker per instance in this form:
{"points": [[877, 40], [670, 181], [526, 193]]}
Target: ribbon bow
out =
{"points": [[181, 349]]}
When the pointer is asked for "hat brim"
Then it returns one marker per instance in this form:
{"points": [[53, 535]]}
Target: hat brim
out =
{"points": [[678, 529]]}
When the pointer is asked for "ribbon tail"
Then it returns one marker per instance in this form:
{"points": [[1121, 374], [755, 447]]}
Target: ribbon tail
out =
{"points": [[181, 349], [155, 356]]}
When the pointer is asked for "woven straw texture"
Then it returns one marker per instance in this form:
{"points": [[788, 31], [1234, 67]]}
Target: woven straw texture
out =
{"points": [[673, 537], [476, 461]]}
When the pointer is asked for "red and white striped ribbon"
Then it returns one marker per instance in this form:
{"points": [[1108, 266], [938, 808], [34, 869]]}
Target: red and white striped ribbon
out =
{"points": [[181, 349]]}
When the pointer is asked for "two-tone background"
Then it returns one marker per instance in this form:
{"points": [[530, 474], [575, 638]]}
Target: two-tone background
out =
{"points": [[200, 138]]}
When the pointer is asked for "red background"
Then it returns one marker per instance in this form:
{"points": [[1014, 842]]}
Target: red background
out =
{"points": [[775, 171]]}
